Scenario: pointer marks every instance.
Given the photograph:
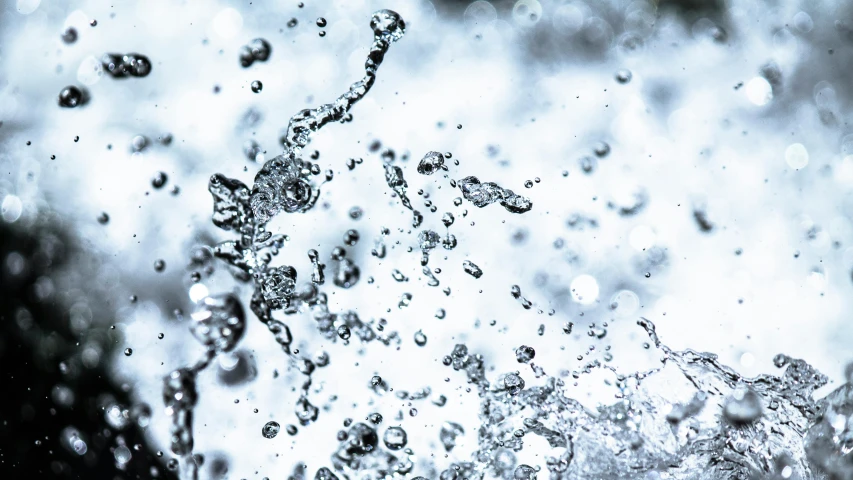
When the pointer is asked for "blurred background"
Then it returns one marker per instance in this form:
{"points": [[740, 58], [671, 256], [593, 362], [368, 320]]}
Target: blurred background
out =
{"points": [[689, 162]]}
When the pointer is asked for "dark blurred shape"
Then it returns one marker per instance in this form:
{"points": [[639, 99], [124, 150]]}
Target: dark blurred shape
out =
{"points": [[60, 417], [123, 66], [72, 96], [695, 7]]}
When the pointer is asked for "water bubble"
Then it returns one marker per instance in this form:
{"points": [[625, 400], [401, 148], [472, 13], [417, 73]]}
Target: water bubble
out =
{"points": [[128, 352], [395, 438], [351, 237], [430, 163], [72, 96], [344, 332], [324, 473], [252, 151], [420, 338], [292, 23], [127, 65], [759, 91], [122, 455], [218, 322], [743, 406], [449, 433], [277, 286], [305, 411], [524, 472], [69, 36], [346, 273], [159, 265], [139, 143], [483, 194], [270, 429], [103, 218], [159, 180], [513, 383], [623, 76], [361, 440], [388, 25], [258, 50], [321, 22], [524, 354]]}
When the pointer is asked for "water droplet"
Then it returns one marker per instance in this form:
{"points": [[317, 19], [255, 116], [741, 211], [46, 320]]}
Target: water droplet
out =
{"points": [[430, 163], [218, 322], [388, 25], [270, 429], [743, 406], [395, 438], [159, 180], [524, 354], [623, 76], [72, 96], [258, 50], [513, 383], [257, 86], [449, 433], [472, 269], [128, 352], [321, 22], [127, 65], [69, 36]]}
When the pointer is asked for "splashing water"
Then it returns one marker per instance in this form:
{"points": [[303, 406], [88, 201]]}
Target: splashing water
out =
{"points": [[281, 185], [691, 417]]}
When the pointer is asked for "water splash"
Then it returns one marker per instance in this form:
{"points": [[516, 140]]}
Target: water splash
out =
{"points": [[483, 194], [282, 184], [690, 418]]}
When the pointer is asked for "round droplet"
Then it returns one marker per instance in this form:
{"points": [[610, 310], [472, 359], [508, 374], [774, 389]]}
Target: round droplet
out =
{"points": [[743, 406], [344, 332], [395, 438], [524, 354], [159, 265], [623, 76], [351, 237], [601, 149], [69, 36], [128, 352], [321, 22], [159, 180], [218, 322], [513, 383], [524, 472], [71, 97], [271, 429], [420, 338], [257, 86], [103, 218]]}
